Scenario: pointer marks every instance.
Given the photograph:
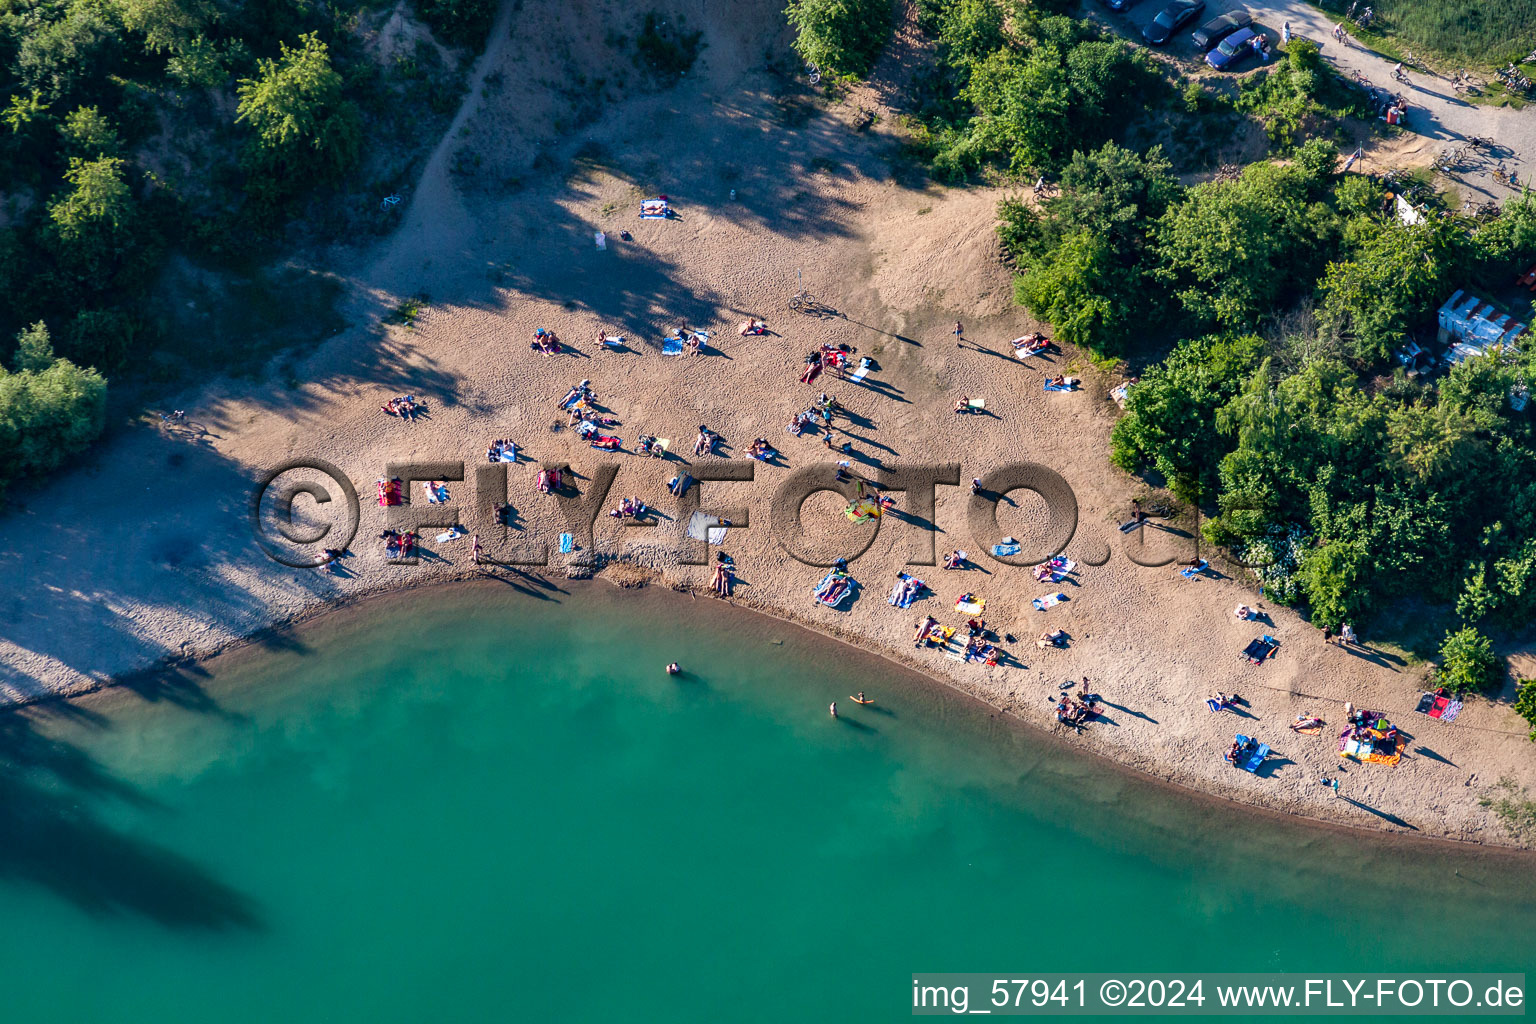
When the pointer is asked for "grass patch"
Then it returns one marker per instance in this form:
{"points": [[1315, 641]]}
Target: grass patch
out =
{"points": [[1513, 807], [405, 314], [1485, 32]]}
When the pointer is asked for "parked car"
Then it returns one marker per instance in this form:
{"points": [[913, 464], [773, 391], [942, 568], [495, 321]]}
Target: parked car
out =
{"points": [[1232, 50], [1170, 19], [1217, 29]]}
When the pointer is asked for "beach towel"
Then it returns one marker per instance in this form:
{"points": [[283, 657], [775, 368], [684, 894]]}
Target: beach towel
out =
{"points": [[1022, 352], [672, 347], [971, 607], [1194, 570], [1251, 762], [567, 543], [613, 341], [453, 534], [906, 590], [1451, 711], [1005, 549], [699, 524], [1128, 527], [601, 239], [824, 588], [656, 209], [1308, 730], [977, 404], [1261, 649], [1071, 385], [1426, 706], [680, 488], [1213, 705], [1048, 601], [859, 374], [664, 443], [1056, 570]]}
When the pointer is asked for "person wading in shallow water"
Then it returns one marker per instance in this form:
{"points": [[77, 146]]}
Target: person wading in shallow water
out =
{"points": [[833, 709]]}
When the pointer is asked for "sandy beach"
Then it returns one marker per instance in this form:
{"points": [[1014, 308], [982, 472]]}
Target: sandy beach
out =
{"points": [[144, 552]]}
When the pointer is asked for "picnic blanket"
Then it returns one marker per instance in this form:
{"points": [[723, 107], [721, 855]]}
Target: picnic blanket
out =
{"points": [[1048, 601], [974, 607], [1005, 549], [706, 528], [1194, 570], [1373, 752], [672, 347], [1260, 649]]}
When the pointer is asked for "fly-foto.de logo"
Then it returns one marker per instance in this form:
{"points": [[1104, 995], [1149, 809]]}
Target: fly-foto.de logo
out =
{"points": [[306, 511]]}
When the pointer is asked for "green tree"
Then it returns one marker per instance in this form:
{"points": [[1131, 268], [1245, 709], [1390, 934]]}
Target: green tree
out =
{"points": [[1062, 288], [1023, 109], [34, 349], [166, 24], [1467, 661], [1330, 577], [1525, 703], [971, 29], [841, 37], [200, 64], [302, 123], [89, 134], [47, 414], [1170, 415], [1234, 250], [99, 199], [23, 111], [1396, 278]]}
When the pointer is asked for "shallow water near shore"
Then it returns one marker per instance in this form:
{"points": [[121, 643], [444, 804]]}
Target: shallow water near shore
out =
{"points": [[475, 804]]}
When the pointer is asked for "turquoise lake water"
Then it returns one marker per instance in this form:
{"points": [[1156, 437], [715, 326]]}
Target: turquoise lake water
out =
{"points": [[478, 805]]}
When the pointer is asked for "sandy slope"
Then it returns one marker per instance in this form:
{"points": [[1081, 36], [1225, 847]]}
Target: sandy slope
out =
{"points": [[145, 551]]}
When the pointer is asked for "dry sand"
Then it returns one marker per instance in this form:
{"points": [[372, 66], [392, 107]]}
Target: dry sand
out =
{"points": [[145, 552]]}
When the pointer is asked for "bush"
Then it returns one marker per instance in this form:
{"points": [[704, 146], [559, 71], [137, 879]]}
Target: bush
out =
{"points": [[841, 37], [1525, 703], [303, 126], [50, 409], [460, 22], [1467, 662]]}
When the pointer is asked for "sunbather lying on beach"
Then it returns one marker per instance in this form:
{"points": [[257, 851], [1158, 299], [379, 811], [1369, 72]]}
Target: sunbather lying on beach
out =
{"points": [[762, 450], [753, 327], [1305, 721], [922, 630], [1052, 638]]}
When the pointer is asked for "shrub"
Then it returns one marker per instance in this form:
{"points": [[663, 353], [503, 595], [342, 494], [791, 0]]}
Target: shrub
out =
{"points": [[1467, 661], [303, 126], [50, 409], [841, 37], [1525, 703], [460, 22]]}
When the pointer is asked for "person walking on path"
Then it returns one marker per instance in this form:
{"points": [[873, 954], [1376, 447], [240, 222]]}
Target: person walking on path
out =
{"points": [[1285, 33], [959, 333]]}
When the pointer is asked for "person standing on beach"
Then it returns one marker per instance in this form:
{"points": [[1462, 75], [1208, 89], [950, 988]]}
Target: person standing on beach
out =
{"points": [[1327, 635], [477, 549], [959, 333]]}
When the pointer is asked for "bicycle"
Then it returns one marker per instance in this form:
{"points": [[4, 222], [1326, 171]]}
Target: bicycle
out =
{"points": [[813, 73], [1480, 142], [390, 202]]}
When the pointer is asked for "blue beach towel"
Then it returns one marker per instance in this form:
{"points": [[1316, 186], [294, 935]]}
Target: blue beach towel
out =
{"points": [[1194, 570], [1005, 549], [1057, 387], [672, 347], [567, 542]]}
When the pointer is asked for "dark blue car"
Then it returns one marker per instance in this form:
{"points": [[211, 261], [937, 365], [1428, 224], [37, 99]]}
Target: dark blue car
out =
{"points": [[1232, 50]]}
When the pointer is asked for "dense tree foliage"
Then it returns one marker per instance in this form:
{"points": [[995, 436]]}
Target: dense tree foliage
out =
{"points": [[50, 409], [1467, 662], [1019, 88], [841, 37]]}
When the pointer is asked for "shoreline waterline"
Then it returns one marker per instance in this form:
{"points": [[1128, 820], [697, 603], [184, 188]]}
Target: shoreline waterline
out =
{"points": [[360, 610]]}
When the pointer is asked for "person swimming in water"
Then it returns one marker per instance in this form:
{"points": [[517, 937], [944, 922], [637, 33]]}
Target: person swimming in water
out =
{"points": [[672, 669], [833, 709]]}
